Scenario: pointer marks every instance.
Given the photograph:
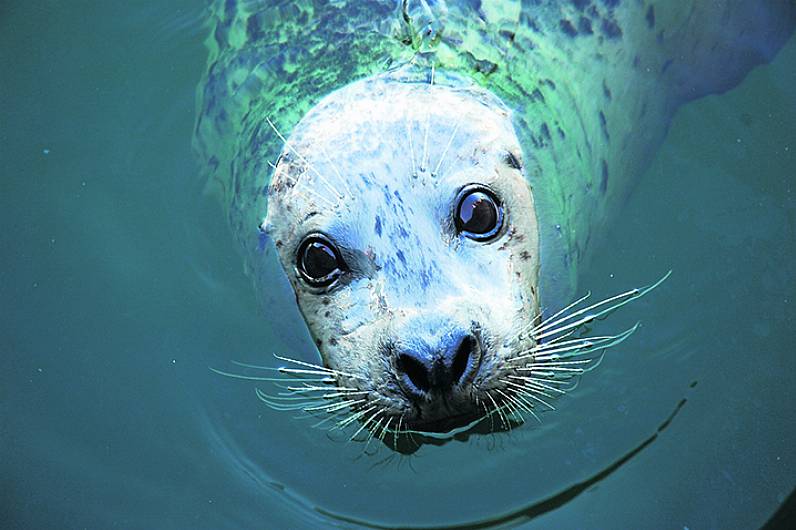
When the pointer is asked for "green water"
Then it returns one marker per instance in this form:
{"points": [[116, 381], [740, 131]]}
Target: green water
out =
{"points": [[120, 286]]}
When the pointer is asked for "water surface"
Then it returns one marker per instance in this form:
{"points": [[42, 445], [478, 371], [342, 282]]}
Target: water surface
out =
{"points": [[121, 285]]}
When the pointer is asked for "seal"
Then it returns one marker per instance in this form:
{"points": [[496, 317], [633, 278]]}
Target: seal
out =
{"points": [[446, 168]]}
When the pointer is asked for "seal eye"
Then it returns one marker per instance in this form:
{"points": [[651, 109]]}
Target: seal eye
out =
{"points": [[319, 262], [479, 214]]}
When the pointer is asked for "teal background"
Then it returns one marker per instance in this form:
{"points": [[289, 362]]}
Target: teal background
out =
{"points": [[120, 285]]}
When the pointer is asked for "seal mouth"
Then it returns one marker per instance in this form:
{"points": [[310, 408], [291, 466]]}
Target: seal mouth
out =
{"points": [[446, 426]]}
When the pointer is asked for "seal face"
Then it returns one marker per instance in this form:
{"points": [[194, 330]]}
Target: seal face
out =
{"points": [[407, 228]]}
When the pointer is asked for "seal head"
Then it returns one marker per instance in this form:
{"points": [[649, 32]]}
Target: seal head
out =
{"points": [[407, 229]]}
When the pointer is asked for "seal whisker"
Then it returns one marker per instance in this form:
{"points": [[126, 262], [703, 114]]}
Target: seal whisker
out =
{"points": [[514, 406], [411, 147], [445, 151], [254, 377], [573, 348], [327, 379], [372, 433], [528, 406], [533, 396], [488, 414], [287, 396], [397, 433], [352, 418], [275, 405], [528, 387], [364, 424], [301, 372], [385, 429], [547, 347], [555, 315], [562, 363], [530, 382], [300, 157], [424, 160], [498, 410], [331, 407], [596, 364], [313, 368], [589, 347], [619, 299], [345, 394], [337, 171], [540, 380], [331, 416], [322, 389], [549, 369]]}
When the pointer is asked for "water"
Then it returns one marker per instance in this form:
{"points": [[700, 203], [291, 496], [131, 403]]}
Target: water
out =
{"points": [[121, 285]]}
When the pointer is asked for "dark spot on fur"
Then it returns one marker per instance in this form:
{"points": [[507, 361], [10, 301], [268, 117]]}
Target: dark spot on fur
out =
{"points": [[604, 177], [604, 126], [229, 9], [511, 160], [561, 133], [325, 300], [650, 17], [508, 35], [611, 29], [377, 228], [545, 131], [386, 193], [318, 342], [333, 341], [279, 243], [401, 256], [327, 314], [525, 255], [485, 67], [537, 95], [567, 27], [253, 30], [584, 26], [606, 91]]}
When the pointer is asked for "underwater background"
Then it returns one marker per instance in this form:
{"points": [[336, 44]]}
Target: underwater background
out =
{"points": [[121, 286]]}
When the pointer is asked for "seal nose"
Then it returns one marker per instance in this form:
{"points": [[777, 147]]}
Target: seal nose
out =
{"points": [[424, 372]]}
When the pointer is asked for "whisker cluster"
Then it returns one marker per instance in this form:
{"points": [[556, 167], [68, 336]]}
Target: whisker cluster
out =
{"points": [[317, 391], [551, 367], [537, 376]]}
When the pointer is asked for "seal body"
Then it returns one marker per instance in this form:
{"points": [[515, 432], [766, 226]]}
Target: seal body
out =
{"points": [[355, 127]]}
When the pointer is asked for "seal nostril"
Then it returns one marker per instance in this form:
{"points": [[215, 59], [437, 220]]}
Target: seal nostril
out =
{"points": [[462, 358], [415, 371]]}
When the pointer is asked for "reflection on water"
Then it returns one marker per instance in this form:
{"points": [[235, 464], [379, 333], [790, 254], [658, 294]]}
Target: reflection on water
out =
{"points": [[121, 286]]}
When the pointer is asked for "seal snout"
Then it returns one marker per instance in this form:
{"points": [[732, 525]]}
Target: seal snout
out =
{"points": [[426, 372]]}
